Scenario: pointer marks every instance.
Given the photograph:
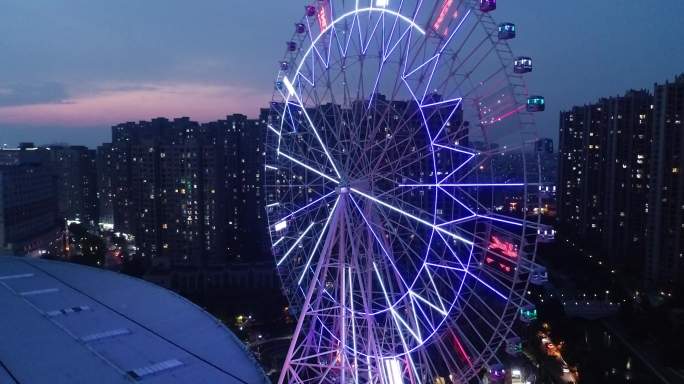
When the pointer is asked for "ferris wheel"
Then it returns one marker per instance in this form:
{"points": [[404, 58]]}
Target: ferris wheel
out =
{"points": [[401, 185]]}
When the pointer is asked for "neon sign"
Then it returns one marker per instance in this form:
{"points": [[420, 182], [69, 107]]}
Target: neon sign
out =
{"points": [[502, 266], [506, 248], [444, 11], [322, 15]]}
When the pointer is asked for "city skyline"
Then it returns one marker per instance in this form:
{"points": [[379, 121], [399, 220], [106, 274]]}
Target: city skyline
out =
{"points": [[70, 77], [341, 191]]}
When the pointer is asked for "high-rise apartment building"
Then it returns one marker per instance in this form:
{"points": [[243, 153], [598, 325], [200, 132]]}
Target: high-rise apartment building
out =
{"points": [[104, 163], [621, 183], [28, 201], [665, 252], [544, 145], [76, 181], [603, 175], [191, 194]]}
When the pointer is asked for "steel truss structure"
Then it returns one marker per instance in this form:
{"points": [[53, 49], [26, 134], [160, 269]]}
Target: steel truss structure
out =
{"points": [[402, 239]]}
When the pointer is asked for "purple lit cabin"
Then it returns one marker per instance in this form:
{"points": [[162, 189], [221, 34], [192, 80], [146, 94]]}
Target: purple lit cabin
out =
{"points": [[487, 5], [300, 28], [522, 65], [310, 10], [506, 31], [291, 46], [497, 372]]}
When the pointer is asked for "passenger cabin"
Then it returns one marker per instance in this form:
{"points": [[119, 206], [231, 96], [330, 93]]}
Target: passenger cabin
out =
{"points": [[539, 275], [506, 31], [300, 28], [310, 10], [291, 46], [497, 372], [546, 234], [528, 313], [487, 5], [284, 65], [535, 104], [522, 65], [513, 346]]}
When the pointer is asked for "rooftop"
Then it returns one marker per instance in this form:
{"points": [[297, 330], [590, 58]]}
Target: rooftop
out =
{"points": [[66, 323]]}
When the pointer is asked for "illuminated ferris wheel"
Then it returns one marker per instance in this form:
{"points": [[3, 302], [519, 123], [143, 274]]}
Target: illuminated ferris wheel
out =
{"points": [[401, 181]]}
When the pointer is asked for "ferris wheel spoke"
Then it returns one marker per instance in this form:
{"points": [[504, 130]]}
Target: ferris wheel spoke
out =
{"points": [[465, 185], [379, 242], [469, 273], [293, 92], [296, 243], [487, 315], [318, 241], [400, 322], [310, 168], [305, 208], [413, 217], [458, 168]]}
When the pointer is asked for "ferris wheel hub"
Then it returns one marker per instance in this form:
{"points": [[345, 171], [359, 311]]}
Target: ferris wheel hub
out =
{"points": [[343, 187]]}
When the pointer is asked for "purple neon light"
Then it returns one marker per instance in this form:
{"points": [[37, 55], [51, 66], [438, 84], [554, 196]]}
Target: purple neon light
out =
{"points": [[393, 208], [320, 237], [305, 207], [446, 185], [299, 239], [319, 173], [458, 27], [505, 115], [500, 220], [457, 200], [501, 295]]}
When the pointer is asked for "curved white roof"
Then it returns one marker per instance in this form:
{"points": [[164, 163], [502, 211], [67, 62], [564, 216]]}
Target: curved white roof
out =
{"points": [[65, 323]]}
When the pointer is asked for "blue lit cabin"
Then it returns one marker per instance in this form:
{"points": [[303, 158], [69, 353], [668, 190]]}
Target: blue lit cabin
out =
{"points": [[539, 275], [522, 65], [310, 10], [528, 313], [300, 28], [487, 5], [291, 46], [535, 104], [513, 346], [284, 65], [506, 31], [497, 372]]}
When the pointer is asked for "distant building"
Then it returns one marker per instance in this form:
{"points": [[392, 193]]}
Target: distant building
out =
{"points": [[603, 175], [74, 176], [238, 167], [76, 182], [190, 194], [544, 145], [665, 252], [105, 187], [28, 202]]}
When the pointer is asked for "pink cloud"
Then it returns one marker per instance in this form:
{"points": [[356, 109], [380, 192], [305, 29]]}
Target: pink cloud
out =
{"points": [[123, 103]]}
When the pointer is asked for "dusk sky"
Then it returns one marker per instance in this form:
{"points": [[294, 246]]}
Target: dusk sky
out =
{"points": [[70, 69]]}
